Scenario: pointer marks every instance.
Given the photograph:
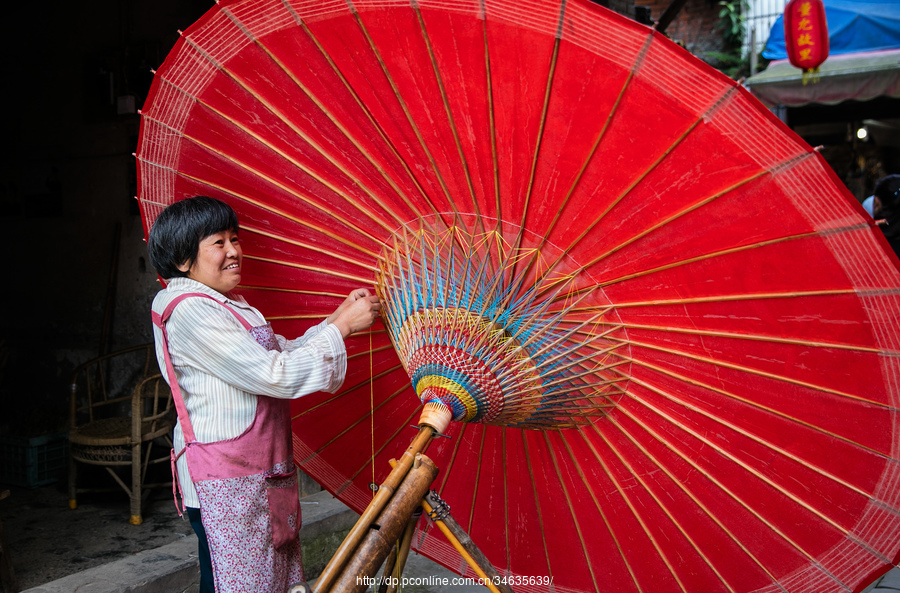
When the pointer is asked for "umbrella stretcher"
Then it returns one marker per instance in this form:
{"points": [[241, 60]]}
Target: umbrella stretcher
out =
{"points": [[666, 334]]}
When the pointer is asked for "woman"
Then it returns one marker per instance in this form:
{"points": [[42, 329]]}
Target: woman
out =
{"points": [[231, 378]]}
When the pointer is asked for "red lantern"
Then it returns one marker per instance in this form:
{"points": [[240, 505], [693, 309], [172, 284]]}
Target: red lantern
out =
{"points": [[806, 35]]}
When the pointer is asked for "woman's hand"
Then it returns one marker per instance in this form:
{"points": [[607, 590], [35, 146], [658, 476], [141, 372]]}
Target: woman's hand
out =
{"points": [[358, 312]]}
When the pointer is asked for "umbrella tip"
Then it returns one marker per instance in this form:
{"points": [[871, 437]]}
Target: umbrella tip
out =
{"points": [[819, 148], [180, 33]]}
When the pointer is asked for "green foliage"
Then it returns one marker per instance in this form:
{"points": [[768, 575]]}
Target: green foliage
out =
{"points": [[733, 23]]}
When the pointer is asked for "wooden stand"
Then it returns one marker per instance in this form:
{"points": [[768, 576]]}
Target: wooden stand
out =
{"points": [[390, 520]]}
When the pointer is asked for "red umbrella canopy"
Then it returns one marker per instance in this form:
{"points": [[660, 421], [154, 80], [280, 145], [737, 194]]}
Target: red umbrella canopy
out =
{"points": [[666, 331]]}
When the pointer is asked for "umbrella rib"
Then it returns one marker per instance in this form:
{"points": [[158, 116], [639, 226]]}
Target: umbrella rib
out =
{"points": [[365, 111], [687, 491], [505, 498], [310, 246], [576, 463], [490, 105], [697, 205], [546, 107], [452, 462], [446, 101], [403, 105], [763, 295], [337, 396], [774, 412], [317, 269], [537, 504], [639, 60], [587, 559], [336, 295], [752, 337], [354, 424], [631, 507], [703, 117], [249, 200], [262, 101], [757, 474], [725, 489], [756, 372], [328, 113], [706, 256], [368, 464], [477, 480], [637, 475]]}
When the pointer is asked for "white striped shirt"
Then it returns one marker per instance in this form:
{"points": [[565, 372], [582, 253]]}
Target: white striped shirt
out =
{"points": [[221, 368]]}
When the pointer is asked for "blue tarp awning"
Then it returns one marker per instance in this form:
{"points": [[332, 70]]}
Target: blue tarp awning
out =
{"points": [[853, 26]]}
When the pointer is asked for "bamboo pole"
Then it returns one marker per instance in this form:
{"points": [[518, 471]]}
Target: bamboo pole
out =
{"points": [[433, 420], [464, 545], [403, 550], [384, 533]]}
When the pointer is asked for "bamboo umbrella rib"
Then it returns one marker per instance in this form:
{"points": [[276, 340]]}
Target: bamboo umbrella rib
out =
{"points": [[637, 475], [731, 494], [293, 161], [361, 106], [571, 507], [758, 373], [337, 295], [537, 504], [640, 519], [321, 105], [540, 134], [452, 462], [317, 269], [273, 182], [703, 202], [314, 248], [715, 105], [751, 337], [592, 151], [653, 459], [746, 467], [384, 445], [440, 82], [766, 409], [490, 104], [480, 459], [862, 292], [335, 397], [505, 496], [576, 463], [372, 351], [730, 251], [355, 423], [403, 105], [768, 444], [305, 137]]}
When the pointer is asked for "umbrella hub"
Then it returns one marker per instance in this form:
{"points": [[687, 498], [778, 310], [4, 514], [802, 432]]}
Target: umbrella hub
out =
{"points": [[498, 332]]}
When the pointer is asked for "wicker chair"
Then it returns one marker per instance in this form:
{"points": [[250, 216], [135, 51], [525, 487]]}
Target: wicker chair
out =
{"points": [[106, 431]]}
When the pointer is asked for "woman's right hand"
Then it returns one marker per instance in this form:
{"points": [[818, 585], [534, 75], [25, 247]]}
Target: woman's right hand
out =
{"points": [[357, 313]]}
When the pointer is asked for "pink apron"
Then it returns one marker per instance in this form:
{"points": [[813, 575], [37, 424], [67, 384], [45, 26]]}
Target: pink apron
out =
{"points": [[247, 486]]}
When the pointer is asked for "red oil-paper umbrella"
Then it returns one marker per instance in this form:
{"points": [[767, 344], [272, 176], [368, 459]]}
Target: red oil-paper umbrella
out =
{"points": [[668, 335], [806, 35]]}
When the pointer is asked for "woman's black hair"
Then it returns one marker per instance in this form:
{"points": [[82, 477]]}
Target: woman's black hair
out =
{"points": [[176, 234], [888, 191]]}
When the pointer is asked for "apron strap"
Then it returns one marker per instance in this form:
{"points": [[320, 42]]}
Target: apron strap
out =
{"points": [[160, 322]]}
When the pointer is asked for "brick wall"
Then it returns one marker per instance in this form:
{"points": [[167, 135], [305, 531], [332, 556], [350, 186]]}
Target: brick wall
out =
{"points": [[696, 27]]}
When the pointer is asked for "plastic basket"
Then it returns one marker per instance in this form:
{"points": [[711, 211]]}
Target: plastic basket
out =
{"points": [[32, 462]]}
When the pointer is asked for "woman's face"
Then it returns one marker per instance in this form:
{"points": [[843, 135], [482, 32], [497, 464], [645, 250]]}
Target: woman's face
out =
{"points": [[218, 263]]}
